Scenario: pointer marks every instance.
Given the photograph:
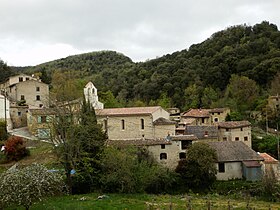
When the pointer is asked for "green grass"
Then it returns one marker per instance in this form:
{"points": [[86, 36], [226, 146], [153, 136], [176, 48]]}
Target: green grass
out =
{"points": [[145, 201]]}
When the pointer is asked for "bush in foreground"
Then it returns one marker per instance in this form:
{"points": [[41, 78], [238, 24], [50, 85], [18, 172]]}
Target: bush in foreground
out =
{"points": [[25, 186]]}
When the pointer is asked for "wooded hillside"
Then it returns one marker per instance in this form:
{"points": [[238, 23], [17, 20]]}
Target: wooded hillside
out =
{"points": [[196, 77]]}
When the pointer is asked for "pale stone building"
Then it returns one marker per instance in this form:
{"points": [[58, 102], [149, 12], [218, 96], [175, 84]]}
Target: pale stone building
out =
{"points": [[5, 111], [26, 88], [236, 161], [136, 122], [166, 151], [235, 131], [39, 122], [90, 93], [204, 116]]}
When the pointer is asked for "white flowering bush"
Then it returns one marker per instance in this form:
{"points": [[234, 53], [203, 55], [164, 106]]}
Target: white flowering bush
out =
{"points": [[25, 186]]}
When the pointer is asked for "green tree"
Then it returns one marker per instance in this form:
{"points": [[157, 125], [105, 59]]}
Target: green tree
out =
{"points": [[131, 170], [24, 187], [5, 71], [198, 170], [275, 85], [243, 92], [80, 141], [209, 97]]}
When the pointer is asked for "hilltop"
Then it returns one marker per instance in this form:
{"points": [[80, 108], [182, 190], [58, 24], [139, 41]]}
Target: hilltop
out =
{"points": [[251, 51]]}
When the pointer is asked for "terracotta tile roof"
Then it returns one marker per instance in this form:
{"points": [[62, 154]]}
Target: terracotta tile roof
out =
{"points": [[137, 142], [268, 158], [197, 113], [234, 124], [232, 151], [127, 111], [163, 121]]}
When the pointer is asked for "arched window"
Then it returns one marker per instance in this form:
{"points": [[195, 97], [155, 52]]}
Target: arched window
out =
{"points": [[163, 156], [142, 124]]}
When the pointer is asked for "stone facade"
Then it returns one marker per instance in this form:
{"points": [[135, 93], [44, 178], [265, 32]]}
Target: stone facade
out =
{"points": [[135, 122], [35, 93], [18, 116], [39, 122], [235, 131], [17, 79]]}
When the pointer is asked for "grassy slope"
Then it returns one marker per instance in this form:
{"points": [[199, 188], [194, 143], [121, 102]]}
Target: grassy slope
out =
{"points": [[144, 201]]}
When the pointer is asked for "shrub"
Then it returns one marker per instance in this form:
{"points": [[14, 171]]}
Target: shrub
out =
{"points": [[15, 148], [131, 170], [3, 131], [25, 186]]}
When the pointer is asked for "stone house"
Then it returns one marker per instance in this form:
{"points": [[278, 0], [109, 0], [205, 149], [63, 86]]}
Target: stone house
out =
{"points": [[166, 151], [219, 114], [26, 88], [236, 161], [270, 164], [198, 117], [135, 122], [39, 122], [205, 116], [16, 79], [273, 103], [18, 116], [235, 131]]}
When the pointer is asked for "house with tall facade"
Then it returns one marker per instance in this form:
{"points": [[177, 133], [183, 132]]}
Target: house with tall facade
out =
{"points": [[235, 131], [28, 89]]}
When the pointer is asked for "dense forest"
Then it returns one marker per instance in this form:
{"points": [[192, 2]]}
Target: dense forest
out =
{"points": [[235, 67]]}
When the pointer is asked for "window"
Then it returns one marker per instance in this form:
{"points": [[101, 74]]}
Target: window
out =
{"points": [[38, 89], [227, 129], [123, 126], [142, 124], [19, 114], [38, 98], [106, 125], [20, 79], [216, 119], [182, 155], [245, 138], [221, 167], [219, 113], [202, 120], [27, 78], [42, 119], [185, 144], [22, 97], [162, 146], [224, 138], [41, 105], [163, 156], [205, 133], [236, 138], [241, 129]]}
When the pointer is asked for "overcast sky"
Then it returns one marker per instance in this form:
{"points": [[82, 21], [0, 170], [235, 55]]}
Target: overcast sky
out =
{"points": [[37, 31]]}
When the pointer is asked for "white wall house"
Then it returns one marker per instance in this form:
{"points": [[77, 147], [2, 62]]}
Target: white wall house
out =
{"points": [[5, 116]]}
